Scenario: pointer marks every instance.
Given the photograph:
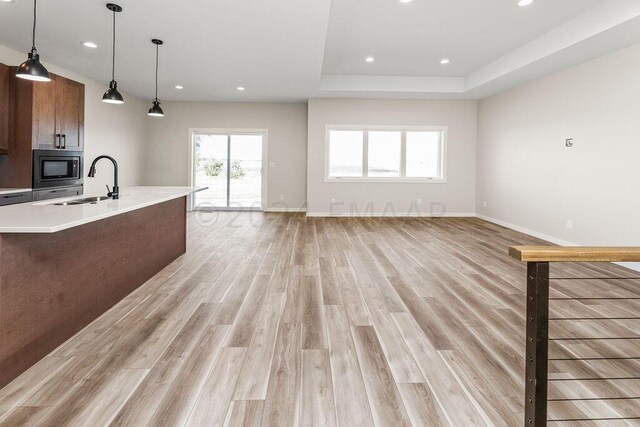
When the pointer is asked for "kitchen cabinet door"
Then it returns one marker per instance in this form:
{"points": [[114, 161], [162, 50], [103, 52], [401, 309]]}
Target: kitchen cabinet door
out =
{"points": [[44, 132], [70, 113]]}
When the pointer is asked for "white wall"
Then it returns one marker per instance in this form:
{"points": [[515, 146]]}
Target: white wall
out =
{"points": [[116, 130], [531, 180], [168, 143], [455, 197]]}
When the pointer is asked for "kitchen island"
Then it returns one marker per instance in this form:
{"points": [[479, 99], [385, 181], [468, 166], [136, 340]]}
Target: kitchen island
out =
{"points": [[63, 265]]}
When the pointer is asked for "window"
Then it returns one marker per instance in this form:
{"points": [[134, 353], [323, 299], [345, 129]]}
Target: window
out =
{"points": [[384, 153], [346, 153], [423, 154], [388, 154]]}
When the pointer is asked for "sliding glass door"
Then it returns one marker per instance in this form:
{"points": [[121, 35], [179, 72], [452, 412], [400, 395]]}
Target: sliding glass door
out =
{"points": [[231, 165], [245, 183], [211, 164]]}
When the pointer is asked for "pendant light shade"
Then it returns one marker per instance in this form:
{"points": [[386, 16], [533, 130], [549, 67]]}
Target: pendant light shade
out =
{"points": [[32, 69], [156, 110], [112, 96]]}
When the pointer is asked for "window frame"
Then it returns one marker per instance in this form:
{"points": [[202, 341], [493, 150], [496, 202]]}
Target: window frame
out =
{"points": [[442, 149]]}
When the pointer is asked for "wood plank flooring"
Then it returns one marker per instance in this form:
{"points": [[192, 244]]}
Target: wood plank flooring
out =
{"points": [[283, 320]]}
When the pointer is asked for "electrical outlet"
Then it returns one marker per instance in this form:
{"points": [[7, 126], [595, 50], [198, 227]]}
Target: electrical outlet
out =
{"points": [[333, 201], [569, 224], [484, 204], [419, 201], [272, 164], [282, 197]]}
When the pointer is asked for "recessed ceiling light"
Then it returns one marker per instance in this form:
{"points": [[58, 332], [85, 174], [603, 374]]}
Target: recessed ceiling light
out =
{"points": [[240, 88], [405, 1], [445, 61], [179, 87], [370, 59], [7, 1], [92, 45], [525, 2]]}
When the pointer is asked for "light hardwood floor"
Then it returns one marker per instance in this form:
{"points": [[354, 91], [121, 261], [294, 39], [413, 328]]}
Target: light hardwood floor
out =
{"points": [[283, 320]]}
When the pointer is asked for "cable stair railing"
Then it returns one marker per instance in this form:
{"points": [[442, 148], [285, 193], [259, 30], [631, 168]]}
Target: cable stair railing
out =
{"points": [[607, 389]]}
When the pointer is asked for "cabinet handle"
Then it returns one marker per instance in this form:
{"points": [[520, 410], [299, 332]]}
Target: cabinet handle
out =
{"points": [[57, 143], [64, 142]]}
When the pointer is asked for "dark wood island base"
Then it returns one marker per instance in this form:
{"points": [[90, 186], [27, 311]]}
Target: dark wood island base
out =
{"points": [[54, 284]]}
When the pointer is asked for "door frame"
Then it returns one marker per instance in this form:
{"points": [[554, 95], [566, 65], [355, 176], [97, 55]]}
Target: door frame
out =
{"points": [[229, 131]]}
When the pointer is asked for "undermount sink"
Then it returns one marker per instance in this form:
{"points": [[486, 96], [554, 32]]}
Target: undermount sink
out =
{"points": [[86, 200]]}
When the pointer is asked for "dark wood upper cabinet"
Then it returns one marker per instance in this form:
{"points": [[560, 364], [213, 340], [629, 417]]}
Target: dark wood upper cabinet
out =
{"points": [[70, 113], [50, 115], [36, 115], [42, 99], [4, 109]]}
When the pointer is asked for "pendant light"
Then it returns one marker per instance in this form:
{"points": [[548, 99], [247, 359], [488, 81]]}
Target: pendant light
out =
{"points": [[156, 110], [32, 69], [112, 96]]}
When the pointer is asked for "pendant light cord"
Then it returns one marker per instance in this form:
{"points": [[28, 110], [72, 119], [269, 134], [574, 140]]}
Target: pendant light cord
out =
{"points": [[113, 57], [33, 44], [157, 53]]}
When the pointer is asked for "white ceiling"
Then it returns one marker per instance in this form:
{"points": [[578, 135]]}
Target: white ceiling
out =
{"points": [[282, 50], [409, 39]]}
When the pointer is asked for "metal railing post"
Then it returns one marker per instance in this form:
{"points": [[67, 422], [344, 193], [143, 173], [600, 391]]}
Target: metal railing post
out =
{"points": [[537, 350]]}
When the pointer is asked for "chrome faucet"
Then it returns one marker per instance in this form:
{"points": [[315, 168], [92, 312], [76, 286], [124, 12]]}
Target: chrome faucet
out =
{"points": [[114, 193]]}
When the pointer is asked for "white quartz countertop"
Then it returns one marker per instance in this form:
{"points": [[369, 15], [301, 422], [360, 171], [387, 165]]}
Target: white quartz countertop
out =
{"points": [[13, 190], [45, 217]]}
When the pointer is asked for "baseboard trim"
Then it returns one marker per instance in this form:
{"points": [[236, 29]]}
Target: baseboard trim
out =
{"points": [[630, 265], [528, 231], [285, 210], [389, 215]]}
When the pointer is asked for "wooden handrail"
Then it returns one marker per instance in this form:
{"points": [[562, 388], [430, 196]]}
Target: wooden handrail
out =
{"points": [[538, 259], [575, 253]]}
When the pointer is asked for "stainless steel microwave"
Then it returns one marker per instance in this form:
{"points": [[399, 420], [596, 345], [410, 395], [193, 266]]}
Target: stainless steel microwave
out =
{"points": [[57, 168]]}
